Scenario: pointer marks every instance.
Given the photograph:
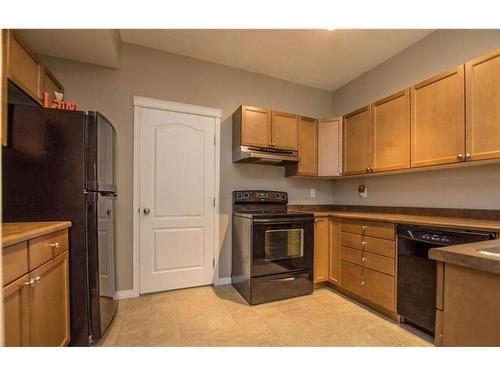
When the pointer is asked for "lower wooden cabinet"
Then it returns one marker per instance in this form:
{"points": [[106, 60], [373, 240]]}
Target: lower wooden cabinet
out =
{"points": [[49, 304], [321, 248], [36, 303]]}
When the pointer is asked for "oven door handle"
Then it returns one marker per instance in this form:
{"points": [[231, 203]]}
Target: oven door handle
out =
{"points": [[286, 221]]}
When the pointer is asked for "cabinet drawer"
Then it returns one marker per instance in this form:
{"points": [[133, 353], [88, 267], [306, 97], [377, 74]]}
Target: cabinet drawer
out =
{"points": [[378, 288], [369, 260], [369, 228], [373, 245], [371, 285], [351, 277], [15, 262], [44, 248]]}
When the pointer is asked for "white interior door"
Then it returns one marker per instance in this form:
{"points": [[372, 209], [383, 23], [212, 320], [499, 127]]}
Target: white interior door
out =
{"points": [[176, 195]]}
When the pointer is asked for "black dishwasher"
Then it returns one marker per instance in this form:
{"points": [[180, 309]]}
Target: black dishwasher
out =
{"points": [[417, 273]]}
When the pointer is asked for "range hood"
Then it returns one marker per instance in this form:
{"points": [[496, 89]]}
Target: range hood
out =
{"points": [[262, 155]]}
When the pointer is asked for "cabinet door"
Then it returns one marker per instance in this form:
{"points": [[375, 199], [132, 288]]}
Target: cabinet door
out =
{"points": [[391, 132], [483, 107], [49, 304], [321, 248], [255, 127], [3, 88], [438, 119], [308, 146], [330, 147], [16, 312], [285, 131], [50, 85], [22, 68], [357, 142], [335, 255]]}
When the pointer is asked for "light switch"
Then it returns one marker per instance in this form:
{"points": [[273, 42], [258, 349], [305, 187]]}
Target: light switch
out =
{"points": [[313, 193]]}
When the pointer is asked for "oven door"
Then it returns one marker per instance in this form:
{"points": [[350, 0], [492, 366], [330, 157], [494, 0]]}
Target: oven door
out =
{"points": [[282, 245]]}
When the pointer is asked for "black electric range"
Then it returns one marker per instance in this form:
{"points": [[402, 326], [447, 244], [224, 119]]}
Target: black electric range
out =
{"points": [[272, 247]]}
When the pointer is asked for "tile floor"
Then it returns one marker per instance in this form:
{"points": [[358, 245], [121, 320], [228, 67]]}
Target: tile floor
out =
{"points": [[208, 316]]}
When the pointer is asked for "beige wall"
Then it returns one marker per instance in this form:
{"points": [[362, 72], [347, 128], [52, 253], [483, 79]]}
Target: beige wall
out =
{"points": [[152, 73], [472, 187]]}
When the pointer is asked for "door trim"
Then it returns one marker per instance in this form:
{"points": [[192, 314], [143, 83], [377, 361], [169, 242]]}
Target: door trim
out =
{"points": [[144, 102]]}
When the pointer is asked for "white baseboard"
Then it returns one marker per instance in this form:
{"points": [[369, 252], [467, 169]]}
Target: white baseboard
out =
{"points": [[124, 294], [222, 281]]}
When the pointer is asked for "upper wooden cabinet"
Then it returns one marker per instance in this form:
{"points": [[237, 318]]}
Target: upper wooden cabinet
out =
{"points": [[285, 131], [254, 126], [482, 77], [330, 147], [308, 149], [390, 134], [357, 151], [22, 67], [438, 119]]}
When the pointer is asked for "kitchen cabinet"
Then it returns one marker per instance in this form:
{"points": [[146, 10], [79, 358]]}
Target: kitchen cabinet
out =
{"points": [[36, 286], [285, 131], [334, 255], [49, 303], [308, 149], [253, 125], [368, 262], [22, 68], [438, 119], [50, 84], [330, 147], [357, 144], [482, 93], [390, 133], [321, 248]]}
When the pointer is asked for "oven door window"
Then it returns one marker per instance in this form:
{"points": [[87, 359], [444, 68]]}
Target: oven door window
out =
{"points": [[283, 244]]}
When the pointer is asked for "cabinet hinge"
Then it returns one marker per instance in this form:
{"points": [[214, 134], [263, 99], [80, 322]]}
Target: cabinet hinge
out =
{"points": [[213, 262]]}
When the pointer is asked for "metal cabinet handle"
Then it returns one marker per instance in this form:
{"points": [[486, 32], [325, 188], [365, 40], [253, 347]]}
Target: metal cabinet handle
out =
{"points": [[363, 243], [362, 283], [30, 283], [460, 156], [467, 156], [367, 169], [363, 259], [363, 228], [37, 279], [55, 245], [147, 211]]}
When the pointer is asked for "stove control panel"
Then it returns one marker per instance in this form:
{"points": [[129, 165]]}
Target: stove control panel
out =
{"points": [[262, 196]]}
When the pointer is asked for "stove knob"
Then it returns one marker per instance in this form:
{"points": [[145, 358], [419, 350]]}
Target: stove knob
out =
{"points": [[246, 195], [238, 195]]}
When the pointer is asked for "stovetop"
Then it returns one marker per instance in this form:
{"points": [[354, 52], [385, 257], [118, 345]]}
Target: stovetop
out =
{"points": [[272, 214]]}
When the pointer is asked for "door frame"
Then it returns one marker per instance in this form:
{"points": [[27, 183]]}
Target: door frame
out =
{"points": [[152, 103]]}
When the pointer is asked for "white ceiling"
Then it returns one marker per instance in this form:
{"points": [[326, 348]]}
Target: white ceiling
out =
{"points": [[94, 46], [318, 58]]}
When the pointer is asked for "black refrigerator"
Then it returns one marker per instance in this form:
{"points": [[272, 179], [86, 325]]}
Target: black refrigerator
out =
{"points": [[60, 165]]}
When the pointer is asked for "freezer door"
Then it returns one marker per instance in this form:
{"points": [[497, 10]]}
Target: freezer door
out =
{"points": [[101, 145]]}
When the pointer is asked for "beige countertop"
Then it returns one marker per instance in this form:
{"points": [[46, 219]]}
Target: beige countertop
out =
{"points": [[13, 233], [437, 221], [467, 255]]}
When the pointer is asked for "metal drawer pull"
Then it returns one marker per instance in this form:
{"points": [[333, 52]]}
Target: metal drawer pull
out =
{"points": [[362, 283], [37, 279], [363, 259], [363, 243], [363, 228], [30, 283], [55, 245], [285, 279]]}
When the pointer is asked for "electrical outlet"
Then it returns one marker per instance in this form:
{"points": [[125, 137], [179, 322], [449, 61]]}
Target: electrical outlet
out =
{"points": [[363, 191], [313, 193]]}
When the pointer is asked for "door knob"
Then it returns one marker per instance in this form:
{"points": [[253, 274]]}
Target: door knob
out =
{"points": [[146, 211]]}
